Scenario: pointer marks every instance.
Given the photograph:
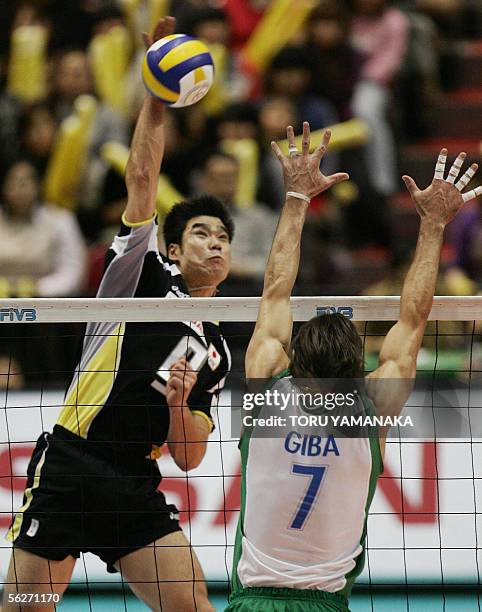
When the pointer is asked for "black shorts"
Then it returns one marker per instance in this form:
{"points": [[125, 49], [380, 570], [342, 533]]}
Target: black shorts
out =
{"points": [[78, 499]]}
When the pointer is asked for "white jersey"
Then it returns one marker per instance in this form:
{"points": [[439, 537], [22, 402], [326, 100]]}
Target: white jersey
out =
{"points": [[304, 505]]}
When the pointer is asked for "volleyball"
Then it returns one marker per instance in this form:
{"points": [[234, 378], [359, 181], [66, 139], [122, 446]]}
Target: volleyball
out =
{"points": [[178, 70]]}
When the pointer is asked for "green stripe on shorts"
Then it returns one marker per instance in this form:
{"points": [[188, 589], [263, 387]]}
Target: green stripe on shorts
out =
{"points": [[267, 599]]}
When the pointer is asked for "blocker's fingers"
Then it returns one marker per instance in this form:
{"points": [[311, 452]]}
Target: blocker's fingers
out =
{"points": [[321, 148], [147, 40], [473, 193], [466, 177], [326, 138], [411, 184], [455, 169], [164, 27], [338, 177], [170, 25], [277, 151], [440, 165], [290, 134], [305, 143]]}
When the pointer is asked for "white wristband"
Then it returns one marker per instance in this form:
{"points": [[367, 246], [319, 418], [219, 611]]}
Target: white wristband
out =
{"points": [[299, 196]]}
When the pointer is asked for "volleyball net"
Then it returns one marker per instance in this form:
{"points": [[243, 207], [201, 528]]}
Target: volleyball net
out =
{"points": [[424, 525]]}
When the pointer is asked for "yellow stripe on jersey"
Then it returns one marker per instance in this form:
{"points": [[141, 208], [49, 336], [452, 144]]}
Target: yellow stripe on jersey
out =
{"points": [[137, 223], [14, 530], [182, 53], [94, 384], [205, 417], [158, 89]]}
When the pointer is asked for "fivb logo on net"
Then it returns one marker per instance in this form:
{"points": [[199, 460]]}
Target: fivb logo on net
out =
{"points": [[18, 315], [347, 311]]}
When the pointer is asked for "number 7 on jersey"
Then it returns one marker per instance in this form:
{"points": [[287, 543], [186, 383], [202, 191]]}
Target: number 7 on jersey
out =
{"points": [[317, 472]]}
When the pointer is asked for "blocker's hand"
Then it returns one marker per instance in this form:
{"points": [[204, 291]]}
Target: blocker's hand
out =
{"points": [[443, 198], [302, 170], [182, 379], [164, 27]]}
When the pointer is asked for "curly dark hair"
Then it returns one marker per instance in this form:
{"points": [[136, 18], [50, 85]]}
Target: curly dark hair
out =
{"points": [[327, 346]]}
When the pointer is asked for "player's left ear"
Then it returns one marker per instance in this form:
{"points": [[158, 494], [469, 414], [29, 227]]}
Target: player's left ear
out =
{"points": [[174, 252]]}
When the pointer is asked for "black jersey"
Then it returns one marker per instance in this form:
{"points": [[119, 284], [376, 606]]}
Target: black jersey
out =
{"points": [[116, 392]]}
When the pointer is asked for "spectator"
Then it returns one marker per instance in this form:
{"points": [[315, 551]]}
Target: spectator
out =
{"points": [[290, 75], [42, 252], [244, 16], [274, 115], [10, 116], [255, 225], [38, 128], [209, 24], [335, 63], [418, 80], [379, 33], [183, 149], [75, 21], [72, 78], [238, 121]]}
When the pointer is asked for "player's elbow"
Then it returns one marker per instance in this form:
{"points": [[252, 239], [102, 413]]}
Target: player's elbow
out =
{"points": [[188, 464], [187, 460]]}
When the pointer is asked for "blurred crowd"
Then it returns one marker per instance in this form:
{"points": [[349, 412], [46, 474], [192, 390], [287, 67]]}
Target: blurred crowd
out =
{"points": [[71, 90]]}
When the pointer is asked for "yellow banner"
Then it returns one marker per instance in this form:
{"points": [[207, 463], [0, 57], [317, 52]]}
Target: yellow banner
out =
{"points": [[109, 56], [281, 21], [27, 66], [67, 162]]}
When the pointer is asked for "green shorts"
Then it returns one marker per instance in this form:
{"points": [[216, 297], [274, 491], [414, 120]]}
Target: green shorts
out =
{"points": [[267, 599]]}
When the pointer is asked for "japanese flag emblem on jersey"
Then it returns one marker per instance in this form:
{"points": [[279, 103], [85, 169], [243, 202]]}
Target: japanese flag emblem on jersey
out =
{"points": [[214, 358]]}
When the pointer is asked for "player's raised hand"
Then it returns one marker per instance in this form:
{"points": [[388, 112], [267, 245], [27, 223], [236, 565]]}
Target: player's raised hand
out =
{"points": [[443, 198], [182, 379], [301, 170], [164, 27]]}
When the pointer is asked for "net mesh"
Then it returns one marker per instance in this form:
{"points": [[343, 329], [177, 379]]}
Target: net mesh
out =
{"points": [[424, 525]]}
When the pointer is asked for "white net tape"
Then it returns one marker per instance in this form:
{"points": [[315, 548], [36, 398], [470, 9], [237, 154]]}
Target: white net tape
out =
{"points": [[364, 308]]}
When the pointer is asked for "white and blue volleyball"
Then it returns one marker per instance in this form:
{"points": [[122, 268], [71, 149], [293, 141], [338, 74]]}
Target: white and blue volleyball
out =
{"points": [[178, 70]]}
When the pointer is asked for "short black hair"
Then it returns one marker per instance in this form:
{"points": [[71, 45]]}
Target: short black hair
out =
{"points": [[327, 346], [181, 213]]}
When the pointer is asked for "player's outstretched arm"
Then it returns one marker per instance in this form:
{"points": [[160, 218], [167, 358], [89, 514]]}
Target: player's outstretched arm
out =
{"points": [[147, 147], [437, 205], [267, 351]]}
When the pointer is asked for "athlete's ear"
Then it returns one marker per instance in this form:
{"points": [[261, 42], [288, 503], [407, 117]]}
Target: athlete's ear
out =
{"points": [[174, 252]]}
